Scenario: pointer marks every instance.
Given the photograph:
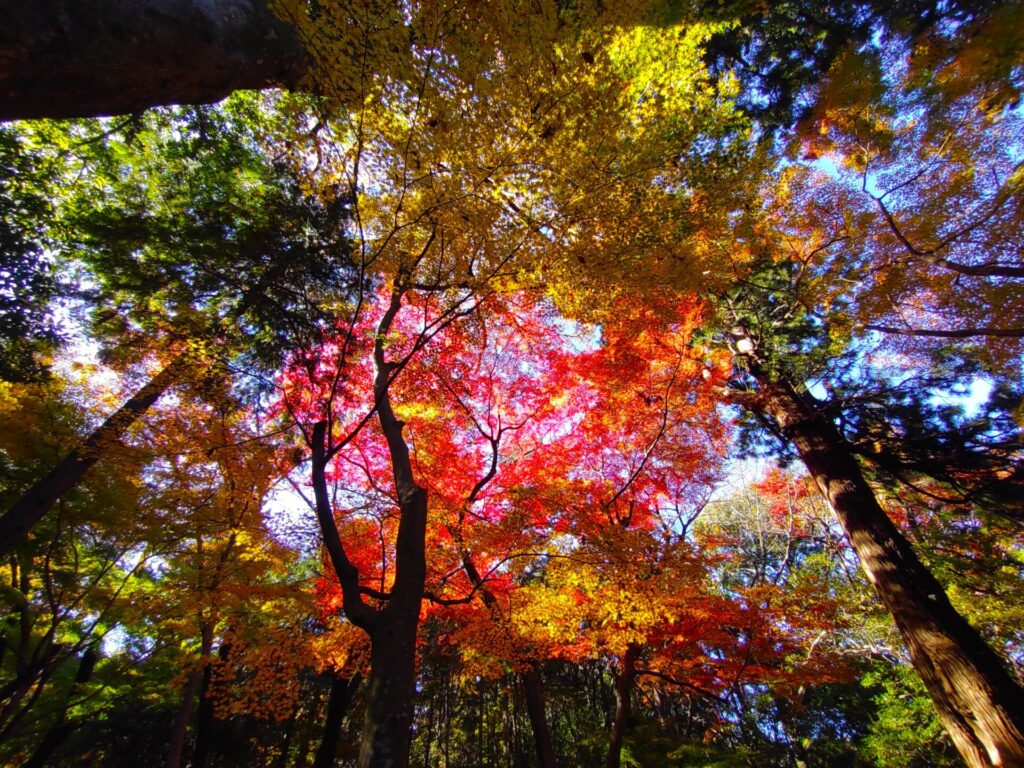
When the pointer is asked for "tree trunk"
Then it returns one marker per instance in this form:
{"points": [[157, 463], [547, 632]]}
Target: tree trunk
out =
{"points": [[387, 721], [188, 699], [342, 691], [281, 759], [180, 728], [206, 723], [533, 684], [979, 703], [533, 688], [85, 58], [623, 695], [302, 748], [40, 498]]}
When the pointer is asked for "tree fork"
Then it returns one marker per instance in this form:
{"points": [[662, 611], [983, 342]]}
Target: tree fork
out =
{"points": [[978, 702], [86, 58]]}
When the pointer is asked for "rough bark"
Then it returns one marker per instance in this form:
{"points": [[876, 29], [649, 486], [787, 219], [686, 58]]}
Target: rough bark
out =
{"points": [[85, 58], [623, 696], [978, 702], [342, 691], [387, 721], [40, 498]]}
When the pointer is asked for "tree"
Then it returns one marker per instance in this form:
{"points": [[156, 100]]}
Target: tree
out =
{"points": [[140, 215], [63, 588], [802, 302], [977, 700]]}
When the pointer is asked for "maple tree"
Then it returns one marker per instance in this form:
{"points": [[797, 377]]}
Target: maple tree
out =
{"points": [[468, 269]]}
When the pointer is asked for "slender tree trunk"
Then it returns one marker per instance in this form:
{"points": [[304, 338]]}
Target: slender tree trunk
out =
{"points": [[429, 741], [180, 728], [306, 736], [533, 684], [979, 703], [84, 58], [623, 695], [342, 691], [40, 498], [533, 690], [206, 723], [188, 700], [62, 729]]}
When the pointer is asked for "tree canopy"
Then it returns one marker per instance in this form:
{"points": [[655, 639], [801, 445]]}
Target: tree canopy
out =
{"points": [[522, 384]]}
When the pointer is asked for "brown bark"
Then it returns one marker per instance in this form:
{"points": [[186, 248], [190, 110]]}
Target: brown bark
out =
{"points": [[533, 683], [623, 695], [180, 727], [387, 721], [84, 58], [978, 702], [951, 333], [40, 498], [206, 723]]}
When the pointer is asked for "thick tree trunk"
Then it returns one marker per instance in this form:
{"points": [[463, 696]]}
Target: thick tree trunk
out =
{"points": [[533, 689], [40, 498], [84, 58], [342, 691], [623, 697], [979, 703], [387, 721]]}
